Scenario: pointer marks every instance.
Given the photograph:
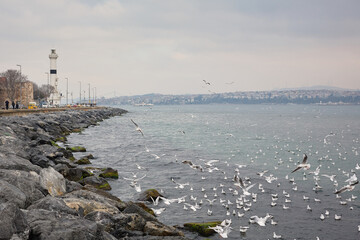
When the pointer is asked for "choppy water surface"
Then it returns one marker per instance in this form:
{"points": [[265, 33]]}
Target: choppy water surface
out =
{"points": [[245, 139]]}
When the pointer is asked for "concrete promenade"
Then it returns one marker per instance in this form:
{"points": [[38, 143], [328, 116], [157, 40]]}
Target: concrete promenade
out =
{"points": [[21, 112]]}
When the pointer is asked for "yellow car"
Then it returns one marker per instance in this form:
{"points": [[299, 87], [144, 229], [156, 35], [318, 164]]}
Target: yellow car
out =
{"points": [[32, 105]]}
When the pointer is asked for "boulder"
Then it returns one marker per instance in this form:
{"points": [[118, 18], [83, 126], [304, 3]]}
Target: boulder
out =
{"points": [[148, 194], [53, 181], [134, 208], [74, 174], [97, 182], [76, 149], [27, 182], [13, 224], [109, 173], [51, 225], [14, 162], [159, 229], [86, 206], [202, 228], [10, 193], [82, 161], [53, 204]]}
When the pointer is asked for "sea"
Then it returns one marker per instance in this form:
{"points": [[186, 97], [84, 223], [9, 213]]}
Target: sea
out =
{"points": [[261, 144]]}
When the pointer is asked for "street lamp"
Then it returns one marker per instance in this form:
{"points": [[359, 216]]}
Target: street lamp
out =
{"points": [[67, 90], [20, 83], [48, 88], [80, 94], [89, 95]]}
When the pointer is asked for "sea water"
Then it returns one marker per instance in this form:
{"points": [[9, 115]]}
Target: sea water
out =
{"points": [[244, 140]]}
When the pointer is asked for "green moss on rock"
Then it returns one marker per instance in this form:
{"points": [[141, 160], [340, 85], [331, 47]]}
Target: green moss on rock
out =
{"points": [[202, 228], [61, 139], [109, 173], [105, 186], [146, 208], [76, 149], [83, 160], [53, 143]]}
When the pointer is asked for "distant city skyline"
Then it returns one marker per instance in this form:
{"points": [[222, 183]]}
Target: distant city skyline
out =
{"points": [[127, 48]]}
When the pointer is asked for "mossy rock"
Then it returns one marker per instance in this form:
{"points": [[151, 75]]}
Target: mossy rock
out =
{"points": [[97, 182], [61, 139], [53, 143], [148, 194], [109, 173], [76, 149], [202, 228], [72, 158], [83, 160]]}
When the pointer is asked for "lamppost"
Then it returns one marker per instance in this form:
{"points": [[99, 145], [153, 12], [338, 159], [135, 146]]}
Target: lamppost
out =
{"points": [[95, 95], [89, 95], [67, 90], [20, 84], [80, 94], [48, 88]]}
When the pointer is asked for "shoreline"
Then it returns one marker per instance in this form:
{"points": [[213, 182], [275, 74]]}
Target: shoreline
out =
{"points": [[46, 195]]}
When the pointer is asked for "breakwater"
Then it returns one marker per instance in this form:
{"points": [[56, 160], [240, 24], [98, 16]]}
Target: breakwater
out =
{"points": [[45, 193]]}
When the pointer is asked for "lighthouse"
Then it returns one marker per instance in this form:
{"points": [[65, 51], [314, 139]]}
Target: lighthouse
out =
{"points": [[54, 99]]}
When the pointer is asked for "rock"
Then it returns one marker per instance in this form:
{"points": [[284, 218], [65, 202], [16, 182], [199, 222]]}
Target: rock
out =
{"points": [[202, 228], [159, 229], [109, 173], [10, 193], [27, 182], [13, 162], [97, 182], [76, 149], [83, 160], [13, 224], [75, 174], [53, 181], [148, 194], [53, 204], [87, 206], [134, 208], [52, 225], [98, 196]]}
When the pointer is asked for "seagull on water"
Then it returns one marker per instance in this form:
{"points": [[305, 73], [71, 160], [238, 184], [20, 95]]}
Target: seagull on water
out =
{"points": [[261, 221], [137, 128], [302, 165], [223, 229], [245, 189], [276, 236]]}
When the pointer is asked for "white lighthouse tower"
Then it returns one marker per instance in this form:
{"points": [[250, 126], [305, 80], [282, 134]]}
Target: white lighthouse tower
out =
{"points": [[55, 97]]}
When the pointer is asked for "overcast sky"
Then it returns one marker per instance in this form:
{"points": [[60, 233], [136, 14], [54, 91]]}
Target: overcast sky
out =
{"points": [[127, 47]]}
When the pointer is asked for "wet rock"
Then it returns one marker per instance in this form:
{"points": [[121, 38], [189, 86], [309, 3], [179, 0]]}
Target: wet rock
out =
{"points": [[109, 173], [86, 206], [134, 208], [97, 182], [148, 194], [76, 149], [82, 161], [13, 224], [53, 181], [202, 228], [75, 174]]}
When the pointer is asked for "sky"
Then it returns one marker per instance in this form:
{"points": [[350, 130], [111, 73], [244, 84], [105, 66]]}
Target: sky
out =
{"points": [[126, 47]]}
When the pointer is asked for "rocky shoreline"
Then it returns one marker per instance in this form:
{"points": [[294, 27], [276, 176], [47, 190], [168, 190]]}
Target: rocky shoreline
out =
{"points": [[45, 193]]}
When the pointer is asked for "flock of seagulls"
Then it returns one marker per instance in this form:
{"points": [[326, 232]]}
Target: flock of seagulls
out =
{"points": [[237, 195]]}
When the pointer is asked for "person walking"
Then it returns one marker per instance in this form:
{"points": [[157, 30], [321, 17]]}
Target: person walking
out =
{"points": [[13, 104], [7, 104]]}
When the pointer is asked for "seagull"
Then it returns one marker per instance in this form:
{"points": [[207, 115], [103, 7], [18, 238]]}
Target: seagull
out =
{"points": [[137, 127], [156, 201], [259, 220], [246, 189], [352, 179], [207, 83], [223, 229], [348, 187], [276, 236], [331, 177], [302, 165], [158, 211], [243, 229], [337, 217]]}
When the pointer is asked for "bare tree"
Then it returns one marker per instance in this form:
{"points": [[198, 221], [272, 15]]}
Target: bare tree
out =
{"points": [[42, 92], [11, 86]]}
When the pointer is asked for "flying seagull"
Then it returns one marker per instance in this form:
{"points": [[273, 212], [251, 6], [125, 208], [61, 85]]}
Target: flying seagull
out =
{"points": [[207, 83], [137, 127], [348, 187], [302, 165]]}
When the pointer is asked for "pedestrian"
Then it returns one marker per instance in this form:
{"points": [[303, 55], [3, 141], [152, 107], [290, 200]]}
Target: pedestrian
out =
{"points": [[7, 104], [13, 104], [17, 105]]}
